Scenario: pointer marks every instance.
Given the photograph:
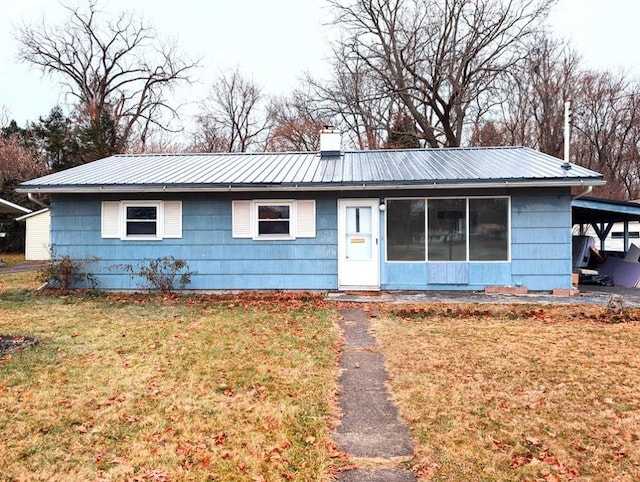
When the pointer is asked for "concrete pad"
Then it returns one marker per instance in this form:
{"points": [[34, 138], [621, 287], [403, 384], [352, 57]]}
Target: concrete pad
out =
{"points": [[376, 475]]}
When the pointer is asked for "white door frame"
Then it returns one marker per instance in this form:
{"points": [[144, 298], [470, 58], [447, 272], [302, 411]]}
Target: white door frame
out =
{"points": [[362, 274]]}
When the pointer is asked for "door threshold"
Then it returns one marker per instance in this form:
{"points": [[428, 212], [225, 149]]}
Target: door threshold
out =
{"points": [[362, 292]]}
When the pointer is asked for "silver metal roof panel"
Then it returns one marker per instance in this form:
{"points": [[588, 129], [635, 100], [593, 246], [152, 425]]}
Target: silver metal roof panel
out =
{"points": [[493, 166]]}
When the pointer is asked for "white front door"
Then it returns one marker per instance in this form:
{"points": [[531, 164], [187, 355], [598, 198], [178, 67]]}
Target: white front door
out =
{"points": [[358, 250]]}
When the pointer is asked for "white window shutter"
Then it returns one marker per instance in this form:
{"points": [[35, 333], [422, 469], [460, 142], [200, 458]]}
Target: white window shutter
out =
{"points": [[172, 219], [241, 219], [306, 219], [111, 222]]}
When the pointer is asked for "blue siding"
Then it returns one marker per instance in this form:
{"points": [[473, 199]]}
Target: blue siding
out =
{"points": [[541, 240], [221, 262], [540, 249]]}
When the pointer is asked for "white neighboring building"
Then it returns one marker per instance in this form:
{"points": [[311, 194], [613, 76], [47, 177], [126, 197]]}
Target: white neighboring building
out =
{"points": [[37, 245], [615, 239]]}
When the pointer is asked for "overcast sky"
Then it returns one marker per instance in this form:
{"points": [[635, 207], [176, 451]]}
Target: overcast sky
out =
{"points": [[275, 41]]}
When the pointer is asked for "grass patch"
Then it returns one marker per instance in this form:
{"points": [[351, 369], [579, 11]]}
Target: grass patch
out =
{"points": [[185, 388], [9, 259], [507, 393], [11, 284]]}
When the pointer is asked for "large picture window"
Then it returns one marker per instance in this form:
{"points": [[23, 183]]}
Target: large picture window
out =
{"points": [[456, 229], [488, 229], [447, 229], [405, 230]]}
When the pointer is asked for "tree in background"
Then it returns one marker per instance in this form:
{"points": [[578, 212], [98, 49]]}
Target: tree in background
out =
{"points": [[234, 118], [18, 162], [115, 70], [440, 58], [354, 99], [606, 131], [528, 102], [296, 125]]}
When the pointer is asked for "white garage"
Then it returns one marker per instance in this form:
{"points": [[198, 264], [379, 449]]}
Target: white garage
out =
{"points": [[37, 236]]}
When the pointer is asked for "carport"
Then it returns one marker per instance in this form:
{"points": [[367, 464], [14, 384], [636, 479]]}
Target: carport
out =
{"points": [[7, 207], [602, 215]]}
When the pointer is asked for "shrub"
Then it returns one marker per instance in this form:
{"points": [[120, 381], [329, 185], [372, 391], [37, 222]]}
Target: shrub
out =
{"points": [[64, 273], [164, 274]]}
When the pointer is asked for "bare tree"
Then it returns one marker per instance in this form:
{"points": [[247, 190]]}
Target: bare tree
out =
{"points": [[234, 117], [112, 67], [296, 124], [606, 134], [529, 99], [354, 99], [439, 57]]}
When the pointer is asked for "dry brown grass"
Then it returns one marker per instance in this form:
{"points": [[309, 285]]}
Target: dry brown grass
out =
{"points": [[9, 259], [505, 393], [145, 388], [18, 282]]}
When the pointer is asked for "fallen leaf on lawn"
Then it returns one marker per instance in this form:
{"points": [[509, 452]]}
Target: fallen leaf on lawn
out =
{"points": [[518, 460], [627, 436], [533, 441]]}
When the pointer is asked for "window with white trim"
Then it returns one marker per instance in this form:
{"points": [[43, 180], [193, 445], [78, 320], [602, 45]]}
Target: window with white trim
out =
{"points": [[448, 229], [263, 219], [141, 220], [274, 220]]}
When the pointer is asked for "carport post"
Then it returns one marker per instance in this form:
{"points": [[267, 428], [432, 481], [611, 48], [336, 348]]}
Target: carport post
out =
{"points": [[626, 236]]}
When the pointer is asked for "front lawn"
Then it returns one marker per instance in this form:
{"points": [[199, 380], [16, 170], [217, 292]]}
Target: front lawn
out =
{"points": [[144, 388], [507, 393]]}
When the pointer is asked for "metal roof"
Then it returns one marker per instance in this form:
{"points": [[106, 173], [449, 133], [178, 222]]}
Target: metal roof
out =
{"points": [[409, 168]]}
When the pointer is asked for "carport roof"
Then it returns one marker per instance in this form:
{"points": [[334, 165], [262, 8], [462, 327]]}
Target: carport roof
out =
{"points": [[7, 207], [589, 210]]}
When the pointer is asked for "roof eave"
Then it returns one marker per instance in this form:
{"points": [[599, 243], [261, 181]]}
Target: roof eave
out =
{"points": [[363, 186]]}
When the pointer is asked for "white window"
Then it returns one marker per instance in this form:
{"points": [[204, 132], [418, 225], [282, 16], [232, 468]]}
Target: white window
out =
{"points": [[274, 219], [142, 220]]}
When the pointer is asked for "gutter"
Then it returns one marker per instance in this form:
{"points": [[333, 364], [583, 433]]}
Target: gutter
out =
{"points": [[303, 188]]}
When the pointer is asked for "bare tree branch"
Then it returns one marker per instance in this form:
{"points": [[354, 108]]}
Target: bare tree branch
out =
{"points": [[109, 66]]}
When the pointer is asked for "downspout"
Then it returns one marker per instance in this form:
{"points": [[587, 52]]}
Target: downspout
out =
{"points": [[32, 197], [584, 193]]}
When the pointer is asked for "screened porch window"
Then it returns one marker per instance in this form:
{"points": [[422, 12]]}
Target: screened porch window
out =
{"points": [[456, 229], [447, 230], [405, 230], [488, 229]]}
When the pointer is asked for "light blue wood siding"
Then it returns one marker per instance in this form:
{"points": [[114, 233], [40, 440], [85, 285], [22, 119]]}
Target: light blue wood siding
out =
{"points": [[540, 249], [541, 239], [540, 246], [221, 262]]}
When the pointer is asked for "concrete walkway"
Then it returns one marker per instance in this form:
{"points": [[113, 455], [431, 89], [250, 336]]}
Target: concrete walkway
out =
{"points": [[23, 267], [370, 427]]}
